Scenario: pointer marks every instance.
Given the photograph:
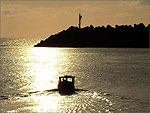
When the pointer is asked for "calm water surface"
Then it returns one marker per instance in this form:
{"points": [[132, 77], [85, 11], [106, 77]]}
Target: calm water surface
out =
{"points": [[117, 79]]}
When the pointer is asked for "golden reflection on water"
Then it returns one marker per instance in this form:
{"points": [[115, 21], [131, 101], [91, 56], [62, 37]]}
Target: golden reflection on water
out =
{"points": [[44, 66], [46, 103]]}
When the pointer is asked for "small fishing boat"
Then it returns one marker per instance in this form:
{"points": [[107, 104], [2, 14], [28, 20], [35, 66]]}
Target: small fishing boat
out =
{"points": [[66, 84]]}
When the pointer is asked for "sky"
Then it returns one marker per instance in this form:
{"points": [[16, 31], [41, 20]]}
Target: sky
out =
{"points": [[42, 18]]}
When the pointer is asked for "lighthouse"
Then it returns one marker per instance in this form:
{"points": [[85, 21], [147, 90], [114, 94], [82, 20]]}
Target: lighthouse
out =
{"points": [[80, 17]]}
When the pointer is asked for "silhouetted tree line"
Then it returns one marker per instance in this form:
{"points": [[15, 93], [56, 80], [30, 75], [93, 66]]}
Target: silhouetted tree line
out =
{"points": [[90, 36]]}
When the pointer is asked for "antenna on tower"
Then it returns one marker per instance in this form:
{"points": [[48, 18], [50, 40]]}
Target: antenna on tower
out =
{"points": [[80, 17]]}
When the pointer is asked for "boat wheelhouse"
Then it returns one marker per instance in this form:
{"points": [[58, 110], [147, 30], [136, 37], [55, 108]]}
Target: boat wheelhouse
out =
{"points": [[66, 84]]}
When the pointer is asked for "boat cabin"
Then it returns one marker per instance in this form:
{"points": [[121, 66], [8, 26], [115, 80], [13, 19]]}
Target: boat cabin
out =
{"points": [[66, 85]]}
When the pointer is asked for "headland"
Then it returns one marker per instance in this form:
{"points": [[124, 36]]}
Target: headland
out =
{"points": [[123, 36]]}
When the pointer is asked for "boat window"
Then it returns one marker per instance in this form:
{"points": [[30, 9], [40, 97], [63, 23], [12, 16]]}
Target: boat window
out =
{"points": [[62, 79], [69, 80], [65, 79]]}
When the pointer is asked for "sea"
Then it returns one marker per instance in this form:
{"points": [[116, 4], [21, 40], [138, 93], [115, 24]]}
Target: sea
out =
{"points": [[113, 79]]}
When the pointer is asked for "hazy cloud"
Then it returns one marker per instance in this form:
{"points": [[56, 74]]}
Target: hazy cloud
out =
{"points": [[78, 0], [42, 18], [12, 8], [145, 2]]}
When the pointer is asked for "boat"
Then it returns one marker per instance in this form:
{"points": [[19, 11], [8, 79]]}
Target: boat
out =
{"points": [[66, 85]]}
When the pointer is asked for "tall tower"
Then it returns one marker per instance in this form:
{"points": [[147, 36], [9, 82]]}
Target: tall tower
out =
{"points": [[80, 17]]}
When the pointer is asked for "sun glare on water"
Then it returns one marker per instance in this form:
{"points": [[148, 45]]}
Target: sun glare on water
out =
{"points": [[42, 74], [44, 68]]}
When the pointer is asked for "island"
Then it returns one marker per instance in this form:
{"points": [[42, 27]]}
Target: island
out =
{"points": [[120, 36]]}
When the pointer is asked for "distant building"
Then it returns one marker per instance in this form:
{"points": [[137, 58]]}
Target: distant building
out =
{"points": [[80, 17]]}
